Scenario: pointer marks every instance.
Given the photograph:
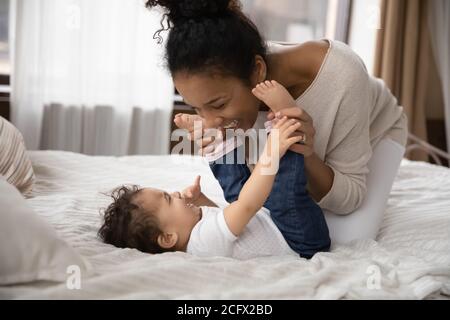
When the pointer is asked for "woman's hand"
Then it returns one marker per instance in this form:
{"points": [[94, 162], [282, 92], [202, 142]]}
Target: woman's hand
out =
{"points": [[306, 129], [187, 122], [192, 193], [286, 137]]}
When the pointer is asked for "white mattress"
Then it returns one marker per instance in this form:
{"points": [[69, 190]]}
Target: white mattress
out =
{"points": [[411, 254]]}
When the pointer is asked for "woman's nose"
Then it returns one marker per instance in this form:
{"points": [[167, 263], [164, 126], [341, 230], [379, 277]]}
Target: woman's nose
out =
{"points": [[213, 122]]}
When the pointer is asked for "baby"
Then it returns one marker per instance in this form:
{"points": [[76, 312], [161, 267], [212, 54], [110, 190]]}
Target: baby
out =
{"points": [[272, 214]]}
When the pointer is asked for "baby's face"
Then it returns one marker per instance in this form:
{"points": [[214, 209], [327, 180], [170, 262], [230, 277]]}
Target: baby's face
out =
{"points": [[172, 211]]}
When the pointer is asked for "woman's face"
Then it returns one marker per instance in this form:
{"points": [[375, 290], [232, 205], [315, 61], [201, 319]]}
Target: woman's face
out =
{"points": [[221, 101]]}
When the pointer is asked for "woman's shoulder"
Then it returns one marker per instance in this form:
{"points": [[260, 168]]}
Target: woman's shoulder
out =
{"points": [[312, 60], [307, 58], [342, 66], [301, 63]]}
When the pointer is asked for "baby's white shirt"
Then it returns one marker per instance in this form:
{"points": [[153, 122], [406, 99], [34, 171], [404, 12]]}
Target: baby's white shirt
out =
{"points": [[211, 237]]}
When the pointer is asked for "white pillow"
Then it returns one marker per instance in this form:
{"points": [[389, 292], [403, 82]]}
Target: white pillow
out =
{"points": [[14, 162], [30, 250]]}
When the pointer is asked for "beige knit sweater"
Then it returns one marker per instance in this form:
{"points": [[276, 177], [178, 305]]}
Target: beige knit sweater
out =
{"points": [[352, 112]]}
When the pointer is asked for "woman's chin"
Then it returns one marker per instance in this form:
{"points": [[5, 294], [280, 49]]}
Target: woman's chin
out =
{"points": [[245, 125]]}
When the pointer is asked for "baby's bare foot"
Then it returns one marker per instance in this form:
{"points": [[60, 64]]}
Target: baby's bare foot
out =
{"points": [[186, 121], [274, 95]]}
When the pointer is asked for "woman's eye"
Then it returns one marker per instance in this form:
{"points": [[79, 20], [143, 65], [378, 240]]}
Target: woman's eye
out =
{"points": [[219, 107]]}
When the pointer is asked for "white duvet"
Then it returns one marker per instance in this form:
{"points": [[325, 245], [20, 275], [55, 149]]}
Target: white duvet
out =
{"points": [[409, 260]]}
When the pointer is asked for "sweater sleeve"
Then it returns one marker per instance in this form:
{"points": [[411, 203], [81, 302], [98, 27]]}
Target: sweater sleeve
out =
{"points": [[349, 149]]}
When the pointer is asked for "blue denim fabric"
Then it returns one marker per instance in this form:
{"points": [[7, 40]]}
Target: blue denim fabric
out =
{"points": [[294, 212]]}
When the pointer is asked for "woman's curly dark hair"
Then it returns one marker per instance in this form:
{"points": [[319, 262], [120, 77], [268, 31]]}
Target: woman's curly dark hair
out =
{"points": [[212, 36], [127, 225]]}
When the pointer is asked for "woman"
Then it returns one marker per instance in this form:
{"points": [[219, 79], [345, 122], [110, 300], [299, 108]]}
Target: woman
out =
{"points": [[217, 56]]}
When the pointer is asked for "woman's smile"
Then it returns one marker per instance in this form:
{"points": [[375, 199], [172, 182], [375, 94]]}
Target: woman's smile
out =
{"points": [[234, 124]]}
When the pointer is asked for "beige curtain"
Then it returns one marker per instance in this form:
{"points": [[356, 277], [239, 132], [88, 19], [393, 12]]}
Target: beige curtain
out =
{"points": [[403, 60]]}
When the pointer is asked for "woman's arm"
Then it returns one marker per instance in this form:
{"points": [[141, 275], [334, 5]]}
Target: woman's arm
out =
{"points": [[339, 185], [320, 175]]}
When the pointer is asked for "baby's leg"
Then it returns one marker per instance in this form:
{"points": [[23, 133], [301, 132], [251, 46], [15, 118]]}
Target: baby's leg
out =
{"points": [[219, 147], [295, 213], [231, 176], [274, 95], [186, 121], [297, 216]]}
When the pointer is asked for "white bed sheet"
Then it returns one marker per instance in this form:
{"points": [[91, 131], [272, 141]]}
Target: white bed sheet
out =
{"points": [[411, 254]]}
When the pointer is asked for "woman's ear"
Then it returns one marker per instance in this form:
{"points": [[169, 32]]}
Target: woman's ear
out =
{"points": [[260, 71], [167, 240]]}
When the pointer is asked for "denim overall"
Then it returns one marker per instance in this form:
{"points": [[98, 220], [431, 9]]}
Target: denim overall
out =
{"points": [[294, 212]]}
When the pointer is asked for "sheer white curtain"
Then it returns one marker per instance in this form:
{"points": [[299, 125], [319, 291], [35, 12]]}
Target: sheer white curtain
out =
{"points": [[89, 77], [439, 19]]}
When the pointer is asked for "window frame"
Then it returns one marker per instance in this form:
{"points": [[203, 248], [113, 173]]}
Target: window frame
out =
{"points": [[339, 20], [5, 96]]}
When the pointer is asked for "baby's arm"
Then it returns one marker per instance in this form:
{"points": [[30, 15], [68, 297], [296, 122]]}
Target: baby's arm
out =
{"points": [[258, 187]]}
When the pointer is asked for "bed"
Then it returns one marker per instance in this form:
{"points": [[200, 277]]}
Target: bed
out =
{"points": [[409, 260]]}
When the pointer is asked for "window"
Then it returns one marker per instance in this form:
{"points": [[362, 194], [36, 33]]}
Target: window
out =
{"points": [[298, 21], [365, 23], [5, 68], [354, 22], [4, 36]]}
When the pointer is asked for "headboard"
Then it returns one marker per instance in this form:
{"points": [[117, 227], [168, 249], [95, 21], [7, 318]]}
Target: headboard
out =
{"points": [[415, 143]]}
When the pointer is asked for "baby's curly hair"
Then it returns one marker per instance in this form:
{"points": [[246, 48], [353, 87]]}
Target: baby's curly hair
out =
{"points": [[127, 225]]}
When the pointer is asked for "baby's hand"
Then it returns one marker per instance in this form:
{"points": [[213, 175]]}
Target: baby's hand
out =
{"points": [[285, 129], [192, 193]]}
